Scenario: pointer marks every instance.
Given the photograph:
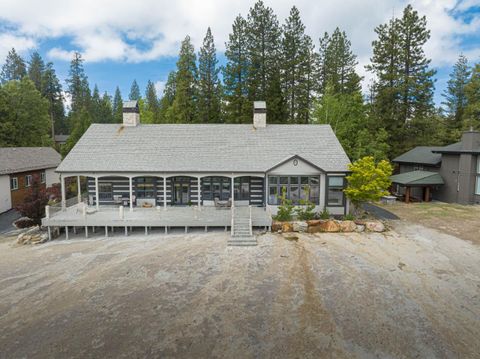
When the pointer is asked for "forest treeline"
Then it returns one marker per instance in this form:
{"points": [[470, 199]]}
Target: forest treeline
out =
{"points": [[304, 80]]}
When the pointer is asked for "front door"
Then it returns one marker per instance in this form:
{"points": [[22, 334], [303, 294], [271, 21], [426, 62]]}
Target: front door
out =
{"points": [[181, 191]]}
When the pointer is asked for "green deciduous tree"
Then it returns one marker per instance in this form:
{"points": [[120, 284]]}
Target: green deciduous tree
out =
{"points": [[368, 181], [209, 87], [82, 120], [14, 67]]}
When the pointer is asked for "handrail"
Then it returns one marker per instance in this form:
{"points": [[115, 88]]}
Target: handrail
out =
{"points": [[250, 220], [231, 223]]}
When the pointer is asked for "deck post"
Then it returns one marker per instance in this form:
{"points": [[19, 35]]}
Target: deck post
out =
{"points": [[64, 199], [86, 231], [106, 231], [199, 194], [164, 193], [126, 231], [407, 194], [427, 194], [66, 232], [130, 189], [233, 191], [146, 230], [186, 229], [166, 230], [79, 190], [97, 200], [49, 233]]}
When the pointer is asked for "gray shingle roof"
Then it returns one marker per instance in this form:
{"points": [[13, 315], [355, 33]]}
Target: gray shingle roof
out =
{"points": [[422, 155], [202, 148], [21, 159], [418, 178]]}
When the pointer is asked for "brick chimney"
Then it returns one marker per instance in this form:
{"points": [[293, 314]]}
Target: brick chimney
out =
{"points": [[259, 114], [131, 113]]}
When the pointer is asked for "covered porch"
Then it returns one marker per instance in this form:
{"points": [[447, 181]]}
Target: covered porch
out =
{"points": [[416, 185]]}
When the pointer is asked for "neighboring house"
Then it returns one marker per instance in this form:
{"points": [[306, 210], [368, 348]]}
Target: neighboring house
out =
{"points": [[61, 139], [18, 165], [449, 174], [168, 166]]}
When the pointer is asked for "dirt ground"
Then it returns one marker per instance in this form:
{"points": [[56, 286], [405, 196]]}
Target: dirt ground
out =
{"points": [[411, 293], [455, 219]]}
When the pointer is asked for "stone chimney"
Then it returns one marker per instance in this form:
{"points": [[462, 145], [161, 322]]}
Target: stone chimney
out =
{"points": [[131, 113], [259, 114], [470, 140]]}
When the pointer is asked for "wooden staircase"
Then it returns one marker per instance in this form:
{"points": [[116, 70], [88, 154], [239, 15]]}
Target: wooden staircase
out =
{"points": [[241, 227]]}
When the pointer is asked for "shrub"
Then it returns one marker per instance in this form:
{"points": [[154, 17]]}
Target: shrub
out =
{"points": [[349, 217], [307, 209], [24, 222], [285, 209], [325, 214], [35, 201]]}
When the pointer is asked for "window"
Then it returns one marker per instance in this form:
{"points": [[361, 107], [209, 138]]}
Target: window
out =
{"points": [[418, 168], [105, 191], [216, 187], [477, 187], [145, 187], [13, 183], [298, 188], [28, 180], [335, 196], [242, 188], [43, 176]]}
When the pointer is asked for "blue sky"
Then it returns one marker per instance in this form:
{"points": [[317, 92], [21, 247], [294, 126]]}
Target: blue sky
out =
{"points": [[125, 40]]}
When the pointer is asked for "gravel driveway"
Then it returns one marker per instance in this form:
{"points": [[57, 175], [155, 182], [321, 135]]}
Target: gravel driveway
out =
{"points": [[413, 292]]}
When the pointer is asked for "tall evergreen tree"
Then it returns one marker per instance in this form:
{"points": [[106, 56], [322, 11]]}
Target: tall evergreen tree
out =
{"points": [[238, 108], [95, 106], [52, 91], [209, 88], [36, 68], [149, 109], [168, 97], [297, 67], [77, 82], [134, 91], [81, 120], [472, 92], [106, 109], [117, 107], [455, 97], [14, 67], [264, 42], [184, 106]]}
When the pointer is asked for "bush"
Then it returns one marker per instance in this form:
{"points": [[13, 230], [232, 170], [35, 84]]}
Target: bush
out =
{"points": [[24, 222], [285, 209], [325, 214], [307, 210], [349, 217], [35, 201]]}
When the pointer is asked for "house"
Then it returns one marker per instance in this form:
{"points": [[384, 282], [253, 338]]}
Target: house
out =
{"points": [[18, 165], [61, 139], [183, 175], [449, 174]]}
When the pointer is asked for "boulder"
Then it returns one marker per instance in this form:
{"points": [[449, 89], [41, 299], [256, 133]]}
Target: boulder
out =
{"points": [[314, 222], [374, 226], [290, 236], [276, 226], [330, 226], [287, 227], [315, 229], [300, 226], [360, 228], [347, 226]]}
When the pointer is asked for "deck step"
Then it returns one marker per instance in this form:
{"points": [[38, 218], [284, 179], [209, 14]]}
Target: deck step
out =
{"points": [[242, 241]]}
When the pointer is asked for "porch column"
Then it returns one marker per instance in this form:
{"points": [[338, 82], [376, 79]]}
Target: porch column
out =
{"points": [[427, 194], [97, 200], [79, 190], [64, 199], [232, 190], [130, 189], [164, 192], [199, 193], [407, 195]]}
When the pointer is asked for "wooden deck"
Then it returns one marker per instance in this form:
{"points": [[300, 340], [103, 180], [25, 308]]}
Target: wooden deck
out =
{"points": [[151, 217]]}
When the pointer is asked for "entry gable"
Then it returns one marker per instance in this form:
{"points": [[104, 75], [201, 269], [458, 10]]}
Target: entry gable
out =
{"points": [[295, 165]]}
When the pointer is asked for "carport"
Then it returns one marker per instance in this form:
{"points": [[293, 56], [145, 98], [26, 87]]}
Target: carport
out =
{"points": [[418, 179]]}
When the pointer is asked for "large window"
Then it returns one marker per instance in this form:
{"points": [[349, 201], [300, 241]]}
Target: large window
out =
{"points": [[145, 187], [14, 183], [335, 196], [299, 188], [105, 191], [216, 187], [477, 188], [242, 188]]}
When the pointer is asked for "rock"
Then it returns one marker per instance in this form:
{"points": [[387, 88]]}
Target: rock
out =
{"points": [[347, 226], [276, 226], [287, 227], [33, 235], [300, 226], [290, 236], [374, 226], [315, 229], [330, 226], [314, 222], [360, 228]]}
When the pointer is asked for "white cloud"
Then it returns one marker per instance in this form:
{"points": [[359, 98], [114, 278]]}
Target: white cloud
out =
{"points": [[21, 44], [159, 87], [111, 29]]}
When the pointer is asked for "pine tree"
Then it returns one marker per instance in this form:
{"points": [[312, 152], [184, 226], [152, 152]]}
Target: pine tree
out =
{"points": [[264, 41], [14, 67], [36, 68], [82, 120], [238, 108], [184, 106], [209, 88], [472, 92], [168, 97], [134, 92], [150, 108], [297, 67], [455, 97], [117, 107], [106, 109], [95, 106], [52, 91], [77, 82]]}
